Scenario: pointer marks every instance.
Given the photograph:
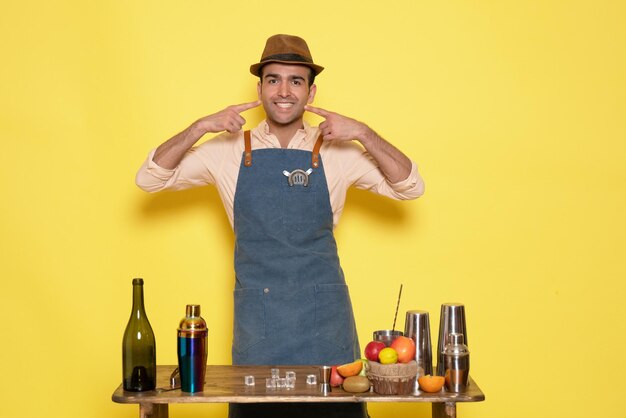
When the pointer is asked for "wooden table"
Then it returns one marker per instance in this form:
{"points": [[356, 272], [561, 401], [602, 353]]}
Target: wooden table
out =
{"points": [[225, 384]]}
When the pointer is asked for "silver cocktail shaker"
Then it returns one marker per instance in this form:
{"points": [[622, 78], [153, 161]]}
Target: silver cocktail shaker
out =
{"points": [[417, 327], [452, 320], [457, 363]]}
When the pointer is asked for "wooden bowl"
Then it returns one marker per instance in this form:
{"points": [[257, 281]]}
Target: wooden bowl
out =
{"points": [[392, 379]]}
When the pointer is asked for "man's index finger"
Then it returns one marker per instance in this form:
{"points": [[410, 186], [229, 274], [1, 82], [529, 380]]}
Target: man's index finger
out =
{"points": [[317, 110], [246, 106]]}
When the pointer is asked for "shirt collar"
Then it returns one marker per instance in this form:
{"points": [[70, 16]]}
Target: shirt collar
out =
{"points": [[298, 141]]}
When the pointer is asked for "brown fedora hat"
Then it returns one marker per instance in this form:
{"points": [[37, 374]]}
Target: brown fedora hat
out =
{"points": [[286, 49]]}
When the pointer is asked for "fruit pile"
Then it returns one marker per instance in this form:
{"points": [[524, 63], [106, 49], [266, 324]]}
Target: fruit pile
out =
{"points": [[401, 350], [381, 366], [392, 370], [350, 376], [353, 377]]}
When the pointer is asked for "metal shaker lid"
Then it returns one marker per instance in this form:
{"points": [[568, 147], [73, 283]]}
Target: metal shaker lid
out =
{"points": [[193, 310], [456, 345], [192, 323]]}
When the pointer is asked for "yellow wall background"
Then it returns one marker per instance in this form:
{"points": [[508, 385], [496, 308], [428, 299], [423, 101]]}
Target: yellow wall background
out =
{"points": [[515, 112]]}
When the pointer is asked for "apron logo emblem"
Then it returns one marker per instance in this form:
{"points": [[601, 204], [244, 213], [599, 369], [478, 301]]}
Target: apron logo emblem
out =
{"points": [[298, 177]]}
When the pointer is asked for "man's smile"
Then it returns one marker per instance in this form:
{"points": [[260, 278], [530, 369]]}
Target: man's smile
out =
{"points": [[284, 105]]}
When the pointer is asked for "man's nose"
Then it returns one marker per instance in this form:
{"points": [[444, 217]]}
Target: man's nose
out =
{"points": [[284, 90]]}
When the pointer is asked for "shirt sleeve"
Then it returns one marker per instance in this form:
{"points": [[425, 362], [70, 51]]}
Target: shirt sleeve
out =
{"points": [[363, 172], [198, 167]]}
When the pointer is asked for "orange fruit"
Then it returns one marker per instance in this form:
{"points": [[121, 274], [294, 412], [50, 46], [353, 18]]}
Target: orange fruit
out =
{"points": [[431, 384], [350, 369], [405, 347], [388, 356]]}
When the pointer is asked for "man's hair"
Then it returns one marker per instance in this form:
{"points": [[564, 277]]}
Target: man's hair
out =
{"points": [[311, 75]]}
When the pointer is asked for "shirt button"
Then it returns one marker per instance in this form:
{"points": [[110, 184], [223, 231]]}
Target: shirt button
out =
{"points": [[266, 290]]}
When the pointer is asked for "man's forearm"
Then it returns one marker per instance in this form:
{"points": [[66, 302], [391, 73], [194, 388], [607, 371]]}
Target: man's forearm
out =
{"points": [[392, 162], [171, 152]]}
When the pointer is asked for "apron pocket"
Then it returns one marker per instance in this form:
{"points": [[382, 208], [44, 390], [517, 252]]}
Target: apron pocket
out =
{"points": [[249, 319], [333, 316]]}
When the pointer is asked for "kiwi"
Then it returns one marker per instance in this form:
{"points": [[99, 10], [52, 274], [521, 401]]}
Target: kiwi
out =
{"points": [[356, 384]]}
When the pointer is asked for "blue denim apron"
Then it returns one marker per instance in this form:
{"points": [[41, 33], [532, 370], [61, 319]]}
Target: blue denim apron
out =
{"points": [[291, 301]]}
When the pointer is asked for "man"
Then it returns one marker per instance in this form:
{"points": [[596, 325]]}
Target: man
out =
{"points": [[283, 186]]}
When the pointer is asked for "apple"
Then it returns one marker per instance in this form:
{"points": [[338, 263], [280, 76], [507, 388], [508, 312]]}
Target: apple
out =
{"points": [[405, 347], [335, 378], [372, 349]]}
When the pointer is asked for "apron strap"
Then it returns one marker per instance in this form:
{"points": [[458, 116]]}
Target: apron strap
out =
{"points": [[315, 157], [247, 160]]}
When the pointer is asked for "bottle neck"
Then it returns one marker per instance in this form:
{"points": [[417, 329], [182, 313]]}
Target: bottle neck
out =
{"points": [[138, 299]]}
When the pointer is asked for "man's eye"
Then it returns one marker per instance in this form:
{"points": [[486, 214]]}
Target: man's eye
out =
{"points": [[272, 81], [297, 82]]}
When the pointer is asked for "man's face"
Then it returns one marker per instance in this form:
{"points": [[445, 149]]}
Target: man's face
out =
{"points": [[284, 91]]}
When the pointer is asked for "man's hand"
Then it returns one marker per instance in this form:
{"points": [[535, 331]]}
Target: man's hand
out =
{"points": [[394, 165], [339, 128], [228, 119], [171, 152]]}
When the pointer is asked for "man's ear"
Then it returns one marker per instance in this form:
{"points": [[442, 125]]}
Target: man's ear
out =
{"points": [[312, 92], [258, 90]]}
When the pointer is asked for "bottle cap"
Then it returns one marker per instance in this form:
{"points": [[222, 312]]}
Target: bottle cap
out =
{"points": [[138, 281]]}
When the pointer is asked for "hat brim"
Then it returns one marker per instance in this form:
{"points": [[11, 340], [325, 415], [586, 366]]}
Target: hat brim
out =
{"points": [[255, 68]]}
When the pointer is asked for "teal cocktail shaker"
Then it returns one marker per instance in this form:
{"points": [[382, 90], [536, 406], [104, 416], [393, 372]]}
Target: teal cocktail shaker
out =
{"points": [[192, 350]]}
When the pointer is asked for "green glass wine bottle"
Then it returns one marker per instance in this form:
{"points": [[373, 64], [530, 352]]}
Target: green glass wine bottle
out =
{"points": [[138, 347]]}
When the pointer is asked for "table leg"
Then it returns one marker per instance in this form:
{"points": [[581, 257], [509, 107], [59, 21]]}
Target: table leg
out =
{"points": [[153, 410], [444, 410]]}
